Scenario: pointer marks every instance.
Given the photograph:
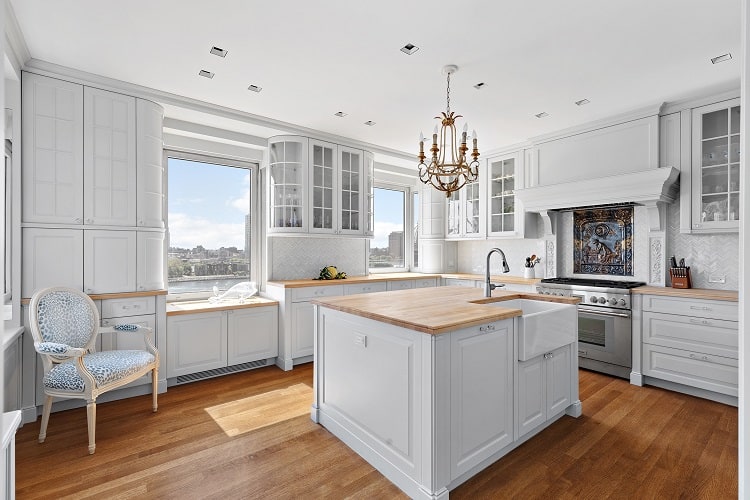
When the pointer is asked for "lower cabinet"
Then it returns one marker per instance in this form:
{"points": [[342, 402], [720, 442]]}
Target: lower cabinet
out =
{"points": [[210, 340], [12, 375], [481, 388], [543, 388], [692, 342]]}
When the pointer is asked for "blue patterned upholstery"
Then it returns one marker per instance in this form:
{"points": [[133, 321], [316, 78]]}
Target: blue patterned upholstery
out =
{"points": [[127, 328], [66, 318], [56, 349], [106, 367]]}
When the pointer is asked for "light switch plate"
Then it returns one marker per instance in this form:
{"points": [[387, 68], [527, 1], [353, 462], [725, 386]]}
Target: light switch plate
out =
{"points": [[360, 340], [717, 278]]}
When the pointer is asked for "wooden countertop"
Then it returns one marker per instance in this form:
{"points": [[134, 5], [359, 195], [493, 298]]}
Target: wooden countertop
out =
{"points": [[433, 310], [691, 293], [120, 295], [372, 278], [201, 306]]}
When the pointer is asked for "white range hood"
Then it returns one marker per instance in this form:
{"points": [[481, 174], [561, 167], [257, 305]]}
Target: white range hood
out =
{"points": [[647, 187]]}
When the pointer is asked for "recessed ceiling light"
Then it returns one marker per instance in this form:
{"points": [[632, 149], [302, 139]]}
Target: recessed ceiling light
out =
{"points": [[542, 114], [479, 85], [409, 48], [340, 114], [369, 123], [219, 52], [721, 58], [205, 73], [254, 88], [582, 102]]}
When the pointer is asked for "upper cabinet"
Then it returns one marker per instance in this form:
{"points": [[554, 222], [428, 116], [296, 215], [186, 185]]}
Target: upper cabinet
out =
{"points": [[715, 172], [87, 160], [465, 218], [503, 217], [320, 188]]}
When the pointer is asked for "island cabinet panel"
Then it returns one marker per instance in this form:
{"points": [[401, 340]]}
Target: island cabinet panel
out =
{"points": [[196, 342], [481, 394]]}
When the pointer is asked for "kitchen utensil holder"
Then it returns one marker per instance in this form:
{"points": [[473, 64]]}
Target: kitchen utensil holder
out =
{"points": [[680, 277]]}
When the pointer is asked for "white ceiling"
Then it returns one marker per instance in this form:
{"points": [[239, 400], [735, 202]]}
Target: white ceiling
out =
{"points": [[314, 58]]}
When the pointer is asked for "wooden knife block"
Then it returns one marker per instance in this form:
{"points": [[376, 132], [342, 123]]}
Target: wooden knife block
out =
{"points": [[680, 277]]}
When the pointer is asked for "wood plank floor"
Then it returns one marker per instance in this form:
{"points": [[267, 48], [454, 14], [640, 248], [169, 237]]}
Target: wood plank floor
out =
{"points": [[249, 435]]}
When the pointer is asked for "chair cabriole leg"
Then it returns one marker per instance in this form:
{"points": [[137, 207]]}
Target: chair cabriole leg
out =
{"points": [[91, 418]]}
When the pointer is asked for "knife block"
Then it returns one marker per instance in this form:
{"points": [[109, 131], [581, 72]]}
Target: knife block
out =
{"points": [[680, 277]]}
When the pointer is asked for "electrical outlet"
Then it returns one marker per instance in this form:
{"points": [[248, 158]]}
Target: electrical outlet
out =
{"points": [[717, 278], [360, 340]]}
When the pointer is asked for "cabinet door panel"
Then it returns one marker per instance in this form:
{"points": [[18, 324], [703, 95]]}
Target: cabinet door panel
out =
{"points": [[110, 261], [109, 158], [51, 257], [150, 260], [52, 173], [481, 394], [303, 318], [129, 340], [531, 401], [252, 334], [195, 343], [350, 187], [323, 168], [558, 381], [150, 170]]}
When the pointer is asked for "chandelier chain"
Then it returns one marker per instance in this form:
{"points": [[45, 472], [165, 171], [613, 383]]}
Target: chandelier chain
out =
{"points": [[448, 95]]}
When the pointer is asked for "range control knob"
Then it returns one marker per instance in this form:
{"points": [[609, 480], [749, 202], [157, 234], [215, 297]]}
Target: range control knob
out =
{"points": [[623, 302], [593, 300], [602, 300], [613, 301]]}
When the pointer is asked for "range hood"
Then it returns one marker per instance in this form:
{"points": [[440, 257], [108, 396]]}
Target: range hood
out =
{"points": [[646, 187]]}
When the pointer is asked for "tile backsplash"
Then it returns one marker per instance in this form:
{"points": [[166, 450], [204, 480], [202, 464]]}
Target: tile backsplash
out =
{"points": [[291, 258]]}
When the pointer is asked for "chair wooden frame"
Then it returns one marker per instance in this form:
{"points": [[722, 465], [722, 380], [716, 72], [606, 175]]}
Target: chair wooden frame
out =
{"points": [[91, 389]]}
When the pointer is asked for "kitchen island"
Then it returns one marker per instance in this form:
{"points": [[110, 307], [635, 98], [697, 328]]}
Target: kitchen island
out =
{"points": [[431, 386]]}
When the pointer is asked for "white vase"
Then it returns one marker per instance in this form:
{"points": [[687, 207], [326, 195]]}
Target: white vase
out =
{"points": [[528, 272]]}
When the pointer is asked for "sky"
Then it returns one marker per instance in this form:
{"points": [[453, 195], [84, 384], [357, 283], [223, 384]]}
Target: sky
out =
{"points": [[208, 204]]}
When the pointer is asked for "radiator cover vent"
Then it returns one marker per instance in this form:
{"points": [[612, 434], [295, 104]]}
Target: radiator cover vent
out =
{"points": [[217, 372]]}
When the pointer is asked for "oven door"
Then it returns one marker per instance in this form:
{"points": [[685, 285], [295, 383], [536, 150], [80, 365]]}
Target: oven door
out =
{"points": [[604, 334]]}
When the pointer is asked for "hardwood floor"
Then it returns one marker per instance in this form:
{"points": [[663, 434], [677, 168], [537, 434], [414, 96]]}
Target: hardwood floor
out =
{"points": [[249, 435]]}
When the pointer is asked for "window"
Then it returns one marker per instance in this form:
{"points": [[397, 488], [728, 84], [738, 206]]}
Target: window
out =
{"points": [[389, 244], [212, 213]]}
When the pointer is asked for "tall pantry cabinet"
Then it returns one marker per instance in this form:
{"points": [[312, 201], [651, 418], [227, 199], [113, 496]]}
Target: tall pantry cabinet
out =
{"points": [[92, 189]]}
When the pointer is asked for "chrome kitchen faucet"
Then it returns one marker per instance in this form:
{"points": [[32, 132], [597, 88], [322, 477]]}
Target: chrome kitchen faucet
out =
{"points": [[488, 287]]}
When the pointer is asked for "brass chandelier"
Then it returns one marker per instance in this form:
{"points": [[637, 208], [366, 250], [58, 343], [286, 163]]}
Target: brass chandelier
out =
{"points": [[448, 169]]}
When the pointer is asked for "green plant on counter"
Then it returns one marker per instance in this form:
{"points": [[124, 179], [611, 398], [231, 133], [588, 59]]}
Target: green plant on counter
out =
{"points": [[331, 273]]}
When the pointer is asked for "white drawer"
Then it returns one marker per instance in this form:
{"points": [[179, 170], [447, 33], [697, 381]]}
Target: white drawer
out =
{"points": [[458, 282], [718, 309], [425, 283], [316, 292], [711, 336], [356, 288], [136, 306], [713, 373], [401, 285]]}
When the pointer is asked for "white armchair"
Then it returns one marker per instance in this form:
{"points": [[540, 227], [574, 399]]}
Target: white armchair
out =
{"points": [[64, 324]]}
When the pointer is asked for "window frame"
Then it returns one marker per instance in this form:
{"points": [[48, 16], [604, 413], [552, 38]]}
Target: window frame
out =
{"points": [[8, 225], [408, 191], [255, 210]]}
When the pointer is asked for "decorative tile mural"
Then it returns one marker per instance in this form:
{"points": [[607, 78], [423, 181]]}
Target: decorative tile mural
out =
{"points": [[603, 241]]}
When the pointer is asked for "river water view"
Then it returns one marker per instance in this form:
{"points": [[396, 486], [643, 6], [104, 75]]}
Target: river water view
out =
{"points": [[176, 287]]}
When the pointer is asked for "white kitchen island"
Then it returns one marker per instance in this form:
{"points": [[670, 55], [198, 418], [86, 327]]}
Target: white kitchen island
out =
{"points": [[428, 385]]}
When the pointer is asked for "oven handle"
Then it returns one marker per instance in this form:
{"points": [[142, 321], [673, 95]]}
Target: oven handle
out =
{"points": [[603, 313]]}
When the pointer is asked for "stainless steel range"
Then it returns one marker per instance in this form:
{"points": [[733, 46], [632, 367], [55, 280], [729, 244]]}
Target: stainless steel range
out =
{"points": [[604, 321]]}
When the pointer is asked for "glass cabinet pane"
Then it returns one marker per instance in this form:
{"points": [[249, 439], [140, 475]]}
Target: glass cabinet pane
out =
{"points": [[454, 214], [715, 124], [502, 191]]}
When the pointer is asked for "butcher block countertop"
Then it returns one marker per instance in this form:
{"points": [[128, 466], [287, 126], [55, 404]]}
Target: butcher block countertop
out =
{"points": [[690, 293], [201, 306], [433, 310], [373, 278]]}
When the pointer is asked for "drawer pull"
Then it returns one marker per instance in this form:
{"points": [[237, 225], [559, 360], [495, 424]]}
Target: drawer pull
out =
{"points": [[700, 322], [488, 328], [700, 308]]}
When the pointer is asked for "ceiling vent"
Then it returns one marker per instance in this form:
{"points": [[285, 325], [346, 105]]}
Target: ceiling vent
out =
{"points": [[542, 114], [219, 52], [254, 88], [369, 123], [479, 85], [582, 102], [409, 49], [721, 58], [340, 114], [206, 74]]}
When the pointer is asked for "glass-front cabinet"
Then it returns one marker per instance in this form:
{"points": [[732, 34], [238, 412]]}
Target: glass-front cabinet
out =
{"points": [[464, 218], [716, 167], [319, 187], [502, 200], [287, 180]]}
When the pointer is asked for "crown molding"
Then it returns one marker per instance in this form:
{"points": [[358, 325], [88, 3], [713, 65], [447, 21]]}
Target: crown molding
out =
{"points": [[166, 98], [15, 46]]}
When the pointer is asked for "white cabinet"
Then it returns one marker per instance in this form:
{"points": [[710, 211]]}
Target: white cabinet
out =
{"points": [[481, 388], [409, 284], [109, 158], [543, 389], [691, 342], [124, 313], [470, 283], [302, 329], [150, 260], [465, 217], [109, 261], [715, 173], [51, 257], [356, 288], [52, 173], [506, 217], [150, 170], [12, 375], [216, 339], [320, 188]]}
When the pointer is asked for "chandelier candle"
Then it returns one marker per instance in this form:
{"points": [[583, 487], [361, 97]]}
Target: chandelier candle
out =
{"points": [[448, 174]]}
